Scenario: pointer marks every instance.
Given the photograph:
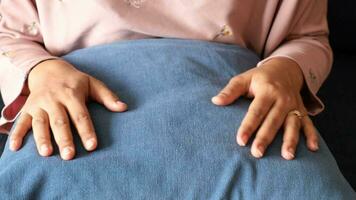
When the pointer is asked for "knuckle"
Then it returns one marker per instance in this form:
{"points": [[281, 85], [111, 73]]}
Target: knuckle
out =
{"points": [[274, 121], [312, 136], [309, 126], [235, 79], [15, 136], [81, 117], [238, 83], [60, 122], [292, 140], [264, 140], [256, 112], [97, 82], [294, 126], [70, 92], [20, 124], [48, 96], [288, 100], [226, 92], [265, 96], [247, 127], [38, 120], [65, 140], [87, 134], [41, 138], [271, 88]]}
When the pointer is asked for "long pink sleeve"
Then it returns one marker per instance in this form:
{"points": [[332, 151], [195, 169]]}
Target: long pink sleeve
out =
{"points": [[20, 50], [32, 31], [306, 42]]}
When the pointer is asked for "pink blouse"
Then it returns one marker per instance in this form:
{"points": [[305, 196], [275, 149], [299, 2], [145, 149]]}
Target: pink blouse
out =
{"points": [[35, 30]]}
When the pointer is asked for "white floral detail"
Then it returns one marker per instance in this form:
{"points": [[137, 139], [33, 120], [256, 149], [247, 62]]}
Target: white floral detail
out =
{"points": [[31, 29], [135, 3], [224, 31], [8, 54]]}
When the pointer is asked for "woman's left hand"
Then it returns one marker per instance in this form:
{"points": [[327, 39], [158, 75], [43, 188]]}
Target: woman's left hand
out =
{"points": [[276, 88]]}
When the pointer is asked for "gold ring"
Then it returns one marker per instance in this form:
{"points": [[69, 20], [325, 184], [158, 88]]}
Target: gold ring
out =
{"points": [[299, 114]]}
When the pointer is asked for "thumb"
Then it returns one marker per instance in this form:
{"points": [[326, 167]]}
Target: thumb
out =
{"points": [[103, 95], [236, 87]]}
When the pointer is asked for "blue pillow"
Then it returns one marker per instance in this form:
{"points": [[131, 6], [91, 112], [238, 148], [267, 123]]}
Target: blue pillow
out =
{"points": [[172, 143]]}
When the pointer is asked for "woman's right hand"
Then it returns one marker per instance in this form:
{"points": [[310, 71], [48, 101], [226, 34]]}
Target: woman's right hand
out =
{"points": [[57, 94]]}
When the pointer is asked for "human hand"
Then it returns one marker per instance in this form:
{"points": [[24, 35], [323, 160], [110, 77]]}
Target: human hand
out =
{"points": [[275, 88], [57, 94]]}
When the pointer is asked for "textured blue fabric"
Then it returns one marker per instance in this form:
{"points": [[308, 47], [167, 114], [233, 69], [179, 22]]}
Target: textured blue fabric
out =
{"points": [[172, 143]]}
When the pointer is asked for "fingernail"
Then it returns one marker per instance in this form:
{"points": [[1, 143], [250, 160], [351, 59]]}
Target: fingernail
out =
{"points": [[241, 143], [242, 140], [259, 151], [215, 99], [44, 149], [221, 94], [121, 104], [289, 154], [67, 152], [315, 146], [90, 144], [13, 145]]}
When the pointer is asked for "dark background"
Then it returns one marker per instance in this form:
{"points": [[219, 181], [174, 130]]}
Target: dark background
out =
{"points": [[337, 123]]}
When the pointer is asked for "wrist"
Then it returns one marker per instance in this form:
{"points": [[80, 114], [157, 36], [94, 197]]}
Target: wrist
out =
{"points": [[290, 68], [47, 71], [44, 63]]}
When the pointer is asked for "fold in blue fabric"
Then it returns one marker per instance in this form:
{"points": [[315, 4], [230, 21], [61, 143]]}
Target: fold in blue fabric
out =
{"points": [[172, 143]]}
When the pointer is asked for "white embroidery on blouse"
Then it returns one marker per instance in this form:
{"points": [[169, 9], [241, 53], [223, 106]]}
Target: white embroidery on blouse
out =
{"points": [[31, 29], [8, 55], [135, 3], [225, 31]]}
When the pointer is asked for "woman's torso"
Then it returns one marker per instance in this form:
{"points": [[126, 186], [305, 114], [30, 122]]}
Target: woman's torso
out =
{"points": [[68, 25]]}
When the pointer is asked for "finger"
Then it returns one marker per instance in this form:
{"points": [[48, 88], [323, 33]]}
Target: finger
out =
{"points": [[23, 125], [268, 129], [61, 130], [80, 116], [254, 116], [41, 133], [292, 127], [233, 90], [100, 93], [310, 133]]}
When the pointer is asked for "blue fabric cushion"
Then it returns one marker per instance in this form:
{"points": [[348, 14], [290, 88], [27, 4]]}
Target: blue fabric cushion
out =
{"points": [[173, 143]]}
